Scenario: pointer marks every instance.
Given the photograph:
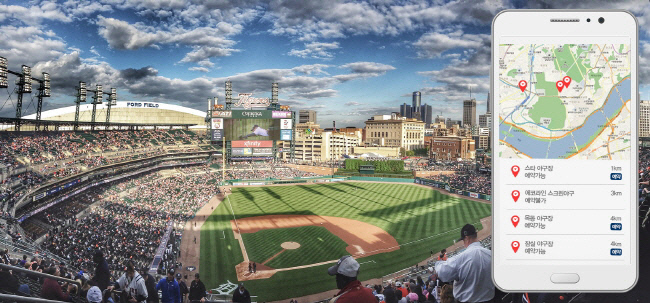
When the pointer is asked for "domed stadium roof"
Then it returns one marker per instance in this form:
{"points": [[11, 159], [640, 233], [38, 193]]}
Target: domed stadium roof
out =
{"points": [[129, 112]]}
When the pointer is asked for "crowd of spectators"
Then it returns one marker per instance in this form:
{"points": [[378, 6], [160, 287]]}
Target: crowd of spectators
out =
{"points": [[19, 149], [469, 180], [272, 173]]}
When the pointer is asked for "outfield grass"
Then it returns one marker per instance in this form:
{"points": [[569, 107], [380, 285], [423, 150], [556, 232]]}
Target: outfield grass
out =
{"points": [[419, 218], [317, 244]]}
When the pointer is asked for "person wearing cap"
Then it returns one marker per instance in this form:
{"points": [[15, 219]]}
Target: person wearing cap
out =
{"points": [[389, 294], [403, 290], [171, 292], [197, 290], [132, 283], [150, 283], [256, 131], [241, 295], [470, 270], [346, 271], [94, 295], [102, 275], [183, 286]]}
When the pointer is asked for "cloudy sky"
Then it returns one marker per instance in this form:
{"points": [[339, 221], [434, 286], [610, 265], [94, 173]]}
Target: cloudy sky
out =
{"points": [[346, 59]]}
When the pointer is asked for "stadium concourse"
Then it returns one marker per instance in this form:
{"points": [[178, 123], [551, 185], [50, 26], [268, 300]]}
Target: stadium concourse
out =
{"points": [[72, 200]]}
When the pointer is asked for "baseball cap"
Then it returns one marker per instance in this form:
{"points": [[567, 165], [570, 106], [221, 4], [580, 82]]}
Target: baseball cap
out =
{"points": [[467, 230], [94, 295], [346, 266], [398, 284]]}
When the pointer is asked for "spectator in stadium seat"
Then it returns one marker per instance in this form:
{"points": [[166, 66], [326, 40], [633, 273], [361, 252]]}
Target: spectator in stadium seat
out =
{"points": [[102, 275], [197, 290], [51, 289], [470, 270], [171, 292], [346, 271], [150, 283], [403, 290], [132, 285], [443, 255], [241, 295], [389, 294], [11, 283]]}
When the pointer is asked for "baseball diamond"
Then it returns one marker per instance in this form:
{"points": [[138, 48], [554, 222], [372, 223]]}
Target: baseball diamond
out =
{"points": [[384, 226]]}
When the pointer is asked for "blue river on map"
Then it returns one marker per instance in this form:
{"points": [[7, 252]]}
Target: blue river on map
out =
{"points": [[537, 148]]}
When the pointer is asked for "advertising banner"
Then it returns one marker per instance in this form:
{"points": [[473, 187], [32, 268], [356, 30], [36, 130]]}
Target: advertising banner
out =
{"points": [[285, 135], [242, 151], [217, 134], [279, 114], [473, 195], [217, 123], [251, 114], [222, 113], [251, 143], [285, 124], [266, 151]]}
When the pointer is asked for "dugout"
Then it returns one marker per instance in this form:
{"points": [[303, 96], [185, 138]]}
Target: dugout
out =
{"points": [[366, 169]]}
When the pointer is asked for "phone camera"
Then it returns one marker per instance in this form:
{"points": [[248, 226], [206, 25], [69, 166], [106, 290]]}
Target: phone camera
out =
{"points": [[588, 19], [601, 20]]}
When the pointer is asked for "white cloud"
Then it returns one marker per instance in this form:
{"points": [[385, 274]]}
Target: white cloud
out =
{"points": [[433, 44], [34, 14], [354, 103], [316, 50], [28, 45], [199, 69]]}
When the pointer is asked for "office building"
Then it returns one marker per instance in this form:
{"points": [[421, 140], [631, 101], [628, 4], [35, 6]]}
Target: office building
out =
{"points": [[426, 114], [469, 112], [394, 131], [307, 116], [644, 119], [406, 111]]}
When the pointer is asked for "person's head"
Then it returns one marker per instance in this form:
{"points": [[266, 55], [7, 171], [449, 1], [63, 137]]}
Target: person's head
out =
{"points": [[170, 275], [398, 284], [346, 271], [254, 127], [25, 257], [447, 294], [468, 234], [98, 256], [196, 276], [143, 272], [53, 270], [94, 295], [130, 269], [241, 287], [178, 276], [443, 251]]}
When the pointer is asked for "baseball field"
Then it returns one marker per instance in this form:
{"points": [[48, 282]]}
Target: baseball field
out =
{"points": [[294, 233]]}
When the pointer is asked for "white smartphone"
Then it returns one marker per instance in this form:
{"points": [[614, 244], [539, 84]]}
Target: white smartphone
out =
{"points": [[564, 151]]}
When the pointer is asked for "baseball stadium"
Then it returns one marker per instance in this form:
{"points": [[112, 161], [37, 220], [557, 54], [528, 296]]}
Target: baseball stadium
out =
{"points": [[93, 193]]}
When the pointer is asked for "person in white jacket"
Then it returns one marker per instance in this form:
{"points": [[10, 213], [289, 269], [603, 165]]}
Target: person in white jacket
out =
{"points": [[132, 284]]}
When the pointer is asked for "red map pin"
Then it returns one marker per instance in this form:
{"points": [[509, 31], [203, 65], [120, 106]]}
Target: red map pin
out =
{"points": [[522, 85], [515, 195], [566, 80], [515, 170], [515, 246], [515, 220], [559, 85]]}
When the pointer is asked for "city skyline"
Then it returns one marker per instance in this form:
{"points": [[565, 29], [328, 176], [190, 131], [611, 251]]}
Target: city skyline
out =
{"points": [[346, 60]]}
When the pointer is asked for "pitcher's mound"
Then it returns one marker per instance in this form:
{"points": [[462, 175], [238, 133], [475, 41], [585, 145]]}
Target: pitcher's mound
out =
{"points": [[290, 245]]}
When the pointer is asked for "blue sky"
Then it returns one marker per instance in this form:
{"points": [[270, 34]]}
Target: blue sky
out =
{"points": [[348, 60]]}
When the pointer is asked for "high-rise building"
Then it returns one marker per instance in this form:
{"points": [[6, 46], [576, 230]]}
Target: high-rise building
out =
{"points": [[485, 120], [405, 110], [426, 114], [417, 100], [307, 116], [440, 118], [469, 112], [488, 103], [385, 130], [644, 118]]}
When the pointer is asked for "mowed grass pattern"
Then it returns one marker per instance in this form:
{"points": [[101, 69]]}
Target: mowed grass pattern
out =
{"points": [[317, 244], [421, 219]]}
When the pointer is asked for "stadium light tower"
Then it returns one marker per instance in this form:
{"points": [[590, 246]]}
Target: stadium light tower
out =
{"points": [[81, 97], [97, 99], [4, 80], [228, 94], [44, 90], [112, 100]]}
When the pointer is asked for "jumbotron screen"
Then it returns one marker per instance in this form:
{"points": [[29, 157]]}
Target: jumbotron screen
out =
{"points": [[252, 125], [252, 129]]}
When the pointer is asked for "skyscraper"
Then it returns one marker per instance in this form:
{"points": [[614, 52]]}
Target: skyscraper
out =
{"points": [[307, 116], [405, 110], [426, 114], [417, 100], [469, 112], [644, 119], [488, 103]]}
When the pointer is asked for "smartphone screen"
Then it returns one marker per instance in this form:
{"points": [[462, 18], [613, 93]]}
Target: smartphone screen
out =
{"points": [[565, 155]]}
